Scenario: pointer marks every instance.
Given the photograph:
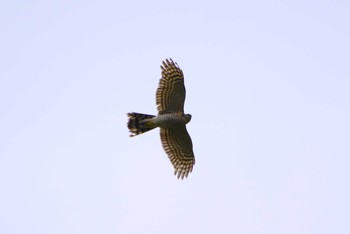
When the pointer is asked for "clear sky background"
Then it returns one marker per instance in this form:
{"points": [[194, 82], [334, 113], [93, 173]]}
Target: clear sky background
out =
{"points": [[268, 87]]}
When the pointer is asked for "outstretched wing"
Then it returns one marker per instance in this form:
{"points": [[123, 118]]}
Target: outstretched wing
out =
{"points": [[171, 93], [177, 144]]}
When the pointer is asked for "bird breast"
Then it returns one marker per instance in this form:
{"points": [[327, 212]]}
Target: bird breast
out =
{"points": [[170, 120]]}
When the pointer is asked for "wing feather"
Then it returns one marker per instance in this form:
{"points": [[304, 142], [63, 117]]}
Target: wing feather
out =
{"points": [[177, 144], [171, 92]]}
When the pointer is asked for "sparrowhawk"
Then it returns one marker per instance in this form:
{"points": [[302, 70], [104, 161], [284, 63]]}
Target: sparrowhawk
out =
{"points": [[170, 99]]}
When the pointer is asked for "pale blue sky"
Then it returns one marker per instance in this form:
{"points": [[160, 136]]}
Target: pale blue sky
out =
{"points": [[267, 85]]}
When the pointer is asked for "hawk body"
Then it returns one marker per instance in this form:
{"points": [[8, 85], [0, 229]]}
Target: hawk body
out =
{"points": [[171, 120], [170, 99]]}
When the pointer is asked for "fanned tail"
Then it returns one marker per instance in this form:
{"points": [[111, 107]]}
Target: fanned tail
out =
{"points": [[139, 123]]}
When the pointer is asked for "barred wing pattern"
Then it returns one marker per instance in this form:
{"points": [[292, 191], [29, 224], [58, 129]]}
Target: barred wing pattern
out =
{"points": [[177, 144], [171, 93], [170, 99]]}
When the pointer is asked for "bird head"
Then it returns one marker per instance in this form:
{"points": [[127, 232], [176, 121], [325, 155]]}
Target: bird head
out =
{"points": [[187, 118]]}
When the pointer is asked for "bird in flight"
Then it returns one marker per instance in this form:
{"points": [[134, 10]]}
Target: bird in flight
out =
{"points": [[171, 119]]}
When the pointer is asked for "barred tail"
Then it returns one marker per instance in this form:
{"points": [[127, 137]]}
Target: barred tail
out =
{"points": [[138, 123]]}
